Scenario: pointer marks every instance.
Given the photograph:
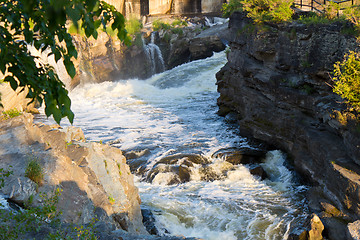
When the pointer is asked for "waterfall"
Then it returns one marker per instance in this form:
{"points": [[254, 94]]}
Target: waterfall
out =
{"points": [[154, 55]]}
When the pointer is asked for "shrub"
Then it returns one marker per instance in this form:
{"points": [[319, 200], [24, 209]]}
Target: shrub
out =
{"points": [[11, 113], [353, 15], [158, 24], [34, 171], [45, 219], [133, 26], [331, 10], [268, 10], [347, 78], [231, 6], [261, 10], [179, 23]]}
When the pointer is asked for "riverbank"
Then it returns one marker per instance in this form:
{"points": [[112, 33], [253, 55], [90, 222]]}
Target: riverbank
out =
{"points": [[276, 84]]}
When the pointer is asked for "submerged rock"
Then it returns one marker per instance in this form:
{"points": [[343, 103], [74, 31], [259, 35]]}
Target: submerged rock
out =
{"points": [[258, 171], [240, 155], [149, 221]]}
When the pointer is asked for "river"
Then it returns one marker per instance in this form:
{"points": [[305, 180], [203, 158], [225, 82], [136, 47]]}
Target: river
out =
{"points": [[175, 112]]}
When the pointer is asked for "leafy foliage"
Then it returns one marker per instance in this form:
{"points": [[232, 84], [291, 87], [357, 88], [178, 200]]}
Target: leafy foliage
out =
{"points": [[268, 10], [17, 224], [34, 171], [331, 10], [158, 24], [133, 26], [347, 78], [11, 113], [352, 14], [262, 10], [42, 24], [4, 174], [231, 6]]}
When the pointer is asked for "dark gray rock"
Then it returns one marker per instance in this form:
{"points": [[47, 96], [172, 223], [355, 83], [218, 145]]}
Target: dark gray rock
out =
{"points": [[258, 171], [237, 156], [277, 82]]}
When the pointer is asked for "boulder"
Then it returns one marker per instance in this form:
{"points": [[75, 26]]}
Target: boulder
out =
{"points": [[240, 155], [94, 178], [258, 171], [313, 229], [201, 48], [353, 232]]}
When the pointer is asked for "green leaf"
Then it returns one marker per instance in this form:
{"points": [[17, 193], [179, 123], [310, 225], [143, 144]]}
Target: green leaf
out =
{"points": [[12, 81], [69, 67]]}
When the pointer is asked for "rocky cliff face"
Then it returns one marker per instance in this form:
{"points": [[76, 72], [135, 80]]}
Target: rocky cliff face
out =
{"points": [[95, 180], [107, 59], [276, 84]]}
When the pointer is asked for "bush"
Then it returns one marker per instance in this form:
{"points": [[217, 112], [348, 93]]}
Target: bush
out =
{"points": [[261, 10], [347, 78], [159, 24], [133, 26], [268, 10], [331, 10], [34, 171], [352, 14], [231, 6], [44, 220], [11, 113]]}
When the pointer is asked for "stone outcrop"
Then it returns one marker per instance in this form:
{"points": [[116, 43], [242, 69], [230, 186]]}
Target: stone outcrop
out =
{"points": [[94, 178], [11, 99], [107, 59], [277, 84]]}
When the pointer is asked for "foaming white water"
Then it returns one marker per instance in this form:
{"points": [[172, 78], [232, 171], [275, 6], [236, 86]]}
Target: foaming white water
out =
{"points": [[239, 206], [175, 112]]}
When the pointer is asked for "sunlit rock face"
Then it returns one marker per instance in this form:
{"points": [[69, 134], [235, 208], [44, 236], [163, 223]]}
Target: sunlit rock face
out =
{"points": [[94, 178], [277, 84]]}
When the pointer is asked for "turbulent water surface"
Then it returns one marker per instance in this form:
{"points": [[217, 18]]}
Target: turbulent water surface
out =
{"points": [[175, 112]]}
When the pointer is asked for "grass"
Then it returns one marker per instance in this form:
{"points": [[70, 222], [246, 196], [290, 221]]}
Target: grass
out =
{"points": [[34, 171], [111, 199], [11, 113]]}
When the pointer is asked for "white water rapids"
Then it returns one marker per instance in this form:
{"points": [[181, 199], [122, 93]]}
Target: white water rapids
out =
{"points": [[175, 112]]}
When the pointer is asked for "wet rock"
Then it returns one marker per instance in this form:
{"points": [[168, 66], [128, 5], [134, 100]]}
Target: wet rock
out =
{"points": [[179, 53], [201, 48], [188, 158], [149, 221], [240, 156], [162, 173], [313, 230], [184, 173], [134, 154], [258, 171], [334, 228]]}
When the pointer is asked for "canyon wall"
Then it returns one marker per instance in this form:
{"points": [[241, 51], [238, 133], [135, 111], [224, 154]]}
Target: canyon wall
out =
{"points": [[277, 86]]}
